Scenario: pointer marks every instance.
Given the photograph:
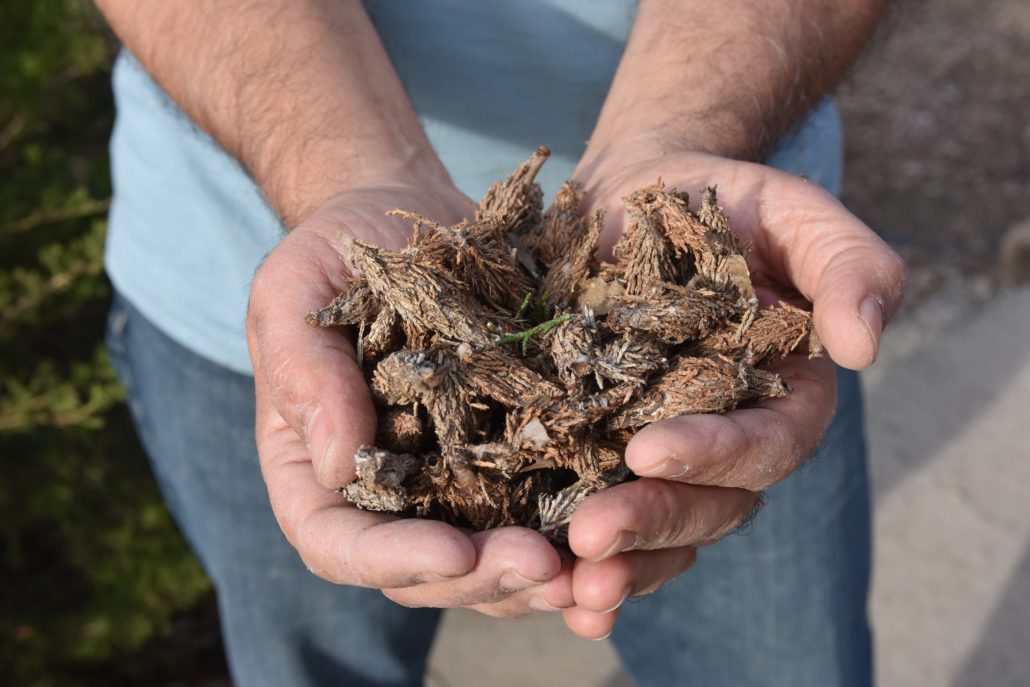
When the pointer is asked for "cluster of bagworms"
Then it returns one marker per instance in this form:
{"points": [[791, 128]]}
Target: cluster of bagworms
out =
{"points": [[511, 366]]}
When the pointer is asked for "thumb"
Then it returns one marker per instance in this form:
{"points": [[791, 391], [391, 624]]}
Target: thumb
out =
{"points": [[854, 280], [310, 375], [858, 290]]}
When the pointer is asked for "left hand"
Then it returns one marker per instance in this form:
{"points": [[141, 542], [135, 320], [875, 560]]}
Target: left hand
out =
{"points": [[703, 474]]}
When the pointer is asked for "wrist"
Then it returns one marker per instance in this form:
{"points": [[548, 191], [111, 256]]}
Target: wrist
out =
{"points": [[629, 136], [363, 212], [606, 164], [302, 177]]}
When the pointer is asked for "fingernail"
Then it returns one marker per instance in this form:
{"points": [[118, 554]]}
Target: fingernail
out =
{"points": [[871, 313], [670, 468], [539, 604], [317, 435], [513, 582], [625, 595], [623, 542], [603, 637]]}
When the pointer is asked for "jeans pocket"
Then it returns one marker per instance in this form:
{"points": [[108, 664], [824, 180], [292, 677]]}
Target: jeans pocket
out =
{"points": [[115, 339], [114, 336]]}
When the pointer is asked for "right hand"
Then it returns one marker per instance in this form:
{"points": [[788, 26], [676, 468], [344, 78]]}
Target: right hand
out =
{"points": [[314, 411]]}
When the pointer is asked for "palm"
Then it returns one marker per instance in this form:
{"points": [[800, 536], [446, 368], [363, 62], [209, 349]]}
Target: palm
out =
{"points": [[314, 411]]}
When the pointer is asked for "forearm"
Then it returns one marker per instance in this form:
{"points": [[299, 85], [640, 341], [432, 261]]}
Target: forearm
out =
{"points": [[300, 91], [729, 77]]}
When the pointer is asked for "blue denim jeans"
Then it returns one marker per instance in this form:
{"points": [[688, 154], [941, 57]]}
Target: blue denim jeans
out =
{"points": [[781, 604]]}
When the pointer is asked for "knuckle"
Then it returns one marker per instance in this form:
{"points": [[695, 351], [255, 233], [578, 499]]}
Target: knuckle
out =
{"points": [[746, 514], [761, 482], [712, 443], [661, 519], [772, 458], [716, 441], [896, 276], [678, 562], [316, 567], [306, 546], [897, 268]]}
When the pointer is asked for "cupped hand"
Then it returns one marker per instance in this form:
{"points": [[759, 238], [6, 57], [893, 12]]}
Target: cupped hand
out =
{"points": [[703, 474], [314, 411]]}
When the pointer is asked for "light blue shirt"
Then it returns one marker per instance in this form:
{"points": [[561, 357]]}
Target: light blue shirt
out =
{"points": [[491, 81]]}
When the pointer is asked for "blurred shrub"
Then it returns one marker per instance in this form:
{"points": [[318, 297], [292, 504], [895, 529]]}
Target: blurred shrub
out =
{"points": [[92, 566]]}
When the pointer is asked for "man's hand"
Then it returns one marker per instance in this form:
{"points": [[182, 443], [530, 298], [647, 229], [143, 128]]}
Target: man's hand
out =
{"points": [[728, 79], [703, 474], [303, 94], [314, 411]]}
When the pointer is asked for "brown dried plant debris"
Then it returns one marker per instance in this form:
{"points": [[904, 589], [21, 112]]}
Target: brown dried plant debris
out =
{"points": [[672, 315], [563, 222], [710, 384], [572, 265], [510, 366], [644, 252], [771, 334], [401, 430], [517, 203]]}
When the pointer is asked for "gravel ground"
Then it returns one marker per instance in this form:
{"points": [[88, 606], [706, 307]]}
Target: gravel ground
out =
{"points": [[939, 163], [938, 137]]}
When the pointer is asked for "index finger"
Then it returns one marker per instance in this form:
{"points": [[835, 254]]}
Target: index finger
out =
{"points": [[854, 280], [751, 448], [336, 540]]}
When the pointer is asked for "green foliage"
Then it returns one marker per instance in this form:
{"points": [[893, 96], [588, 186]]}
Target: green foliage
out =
{"points": [[541, 329], [93, 567], [533, 310]]}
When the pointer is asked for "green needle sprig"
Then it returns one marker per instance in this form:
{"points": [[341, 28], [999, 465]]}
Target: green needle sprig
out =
{"points": [[525, 336]]}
